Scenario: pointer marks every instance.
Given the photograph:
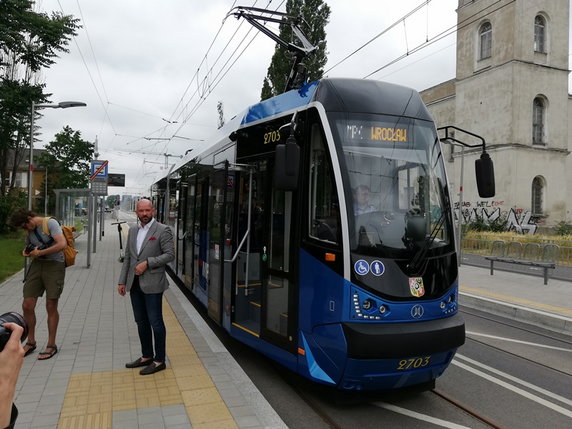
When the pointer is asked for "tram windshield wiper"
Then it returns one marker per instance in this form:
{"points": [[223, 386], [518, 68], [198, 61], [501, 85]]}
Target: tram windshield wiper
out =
{"points": [[414, 265]]}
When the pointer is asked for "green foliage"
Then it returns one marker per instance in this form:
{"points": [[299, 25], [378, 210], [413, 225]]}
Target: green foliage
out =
{"points": [[563, 228], [316, 14], [111, 199], [33, 38], [67, 159], [8, 203], [220, 111], [29, 41]]}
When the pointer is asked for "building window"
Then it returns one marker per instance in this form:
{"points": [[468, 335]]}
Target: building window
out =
{"points": [[21, 179], [537, 195], [539, 34], [538, 121], [485, 40]]}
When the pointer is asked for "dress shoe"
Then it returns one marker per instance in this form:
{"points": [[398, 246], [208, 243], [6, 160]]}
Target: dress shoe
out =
{"points": [[152, 369], [137, 363]]}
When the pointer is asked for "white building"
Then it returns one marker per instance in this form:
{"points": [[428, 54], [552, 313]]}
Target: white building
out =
{"points": [[511, 87]]}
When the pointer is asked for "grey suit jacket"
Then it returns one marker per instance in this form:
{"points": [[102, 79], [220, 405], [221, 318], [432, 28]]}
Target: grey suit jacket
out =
{"points": [[157, 249]]}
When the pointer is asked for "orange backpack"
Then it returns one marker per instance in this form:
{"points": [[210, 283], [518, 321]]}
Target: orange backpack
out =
{"points": [[70, 251]]}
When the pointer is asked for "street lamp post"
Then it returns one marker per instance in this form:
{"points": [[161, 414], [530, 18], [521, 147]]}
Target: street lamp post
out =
{"points": [[61, 105]]}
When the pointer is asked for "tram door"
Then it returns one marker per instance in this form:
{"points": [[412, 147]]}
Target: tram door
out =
{"points": [[220, 205], [264, 275], [188, 235], [200, 236], [181, 220]]}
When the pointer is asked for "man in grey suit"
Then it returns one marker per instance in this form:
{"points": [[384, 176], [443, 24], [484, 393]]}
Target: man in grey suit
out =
{"points": [[149, 249]]}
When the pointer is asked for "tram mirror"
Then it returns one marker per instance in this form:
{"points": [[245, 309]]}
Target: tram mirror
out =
{"points": [[287, 165], [485, 173]]}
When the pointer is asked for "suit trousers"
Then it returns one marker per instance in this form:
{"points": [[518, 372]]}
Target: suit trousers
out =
{"points": [[148, 312]]}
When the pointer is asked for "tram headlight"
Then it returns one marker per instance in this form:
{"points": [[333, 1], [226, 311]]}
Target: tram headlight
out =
{"points": [[382, 309], [443, 305]]}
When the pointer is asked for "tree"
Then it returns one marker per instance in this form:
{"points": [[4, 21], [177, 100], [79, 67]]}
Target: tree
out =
{"points": [[220, 110], [67, 159], [316, 14], [29, 41]]}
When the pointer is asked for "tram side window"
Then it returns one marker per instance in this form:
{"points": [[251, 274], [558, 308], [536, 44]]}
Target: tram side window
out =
{"points": [[324, 206]]}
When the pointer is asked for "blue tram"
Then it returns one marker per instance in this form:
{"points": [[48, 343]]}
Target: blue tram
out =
{"points": [[317, 228]]}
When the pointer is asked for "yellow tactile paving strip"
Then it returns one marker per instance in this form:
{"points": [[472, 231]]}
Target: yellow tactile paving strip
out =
{"points": [[91, 398], [520, 301]]}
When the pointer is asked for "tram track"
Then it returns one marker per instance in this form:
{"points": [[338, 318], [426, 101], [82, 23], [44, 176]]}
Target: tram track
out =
{"points": [[517, 325], [541, 334], [467, 409], [331, 422]]}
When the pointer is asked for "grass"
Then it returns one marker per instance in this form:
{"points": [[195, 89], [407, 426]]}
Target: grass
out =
{"points": [[11, 246]]}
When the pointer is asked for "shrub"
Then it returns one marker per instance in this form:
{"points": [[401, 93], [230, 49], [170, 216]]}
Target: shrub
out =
{"points": [[563, 228]]}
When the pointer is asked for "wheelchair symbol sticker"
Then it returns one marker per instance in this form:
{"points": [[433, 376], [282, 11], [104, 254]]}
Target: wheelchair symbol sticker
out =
{"points": [[361, 267], [377, 268]]}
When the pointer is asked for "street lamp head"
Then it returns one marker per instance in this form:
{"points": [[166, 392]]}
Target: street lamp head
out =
{"points": [[60, 105], [66, 104]]}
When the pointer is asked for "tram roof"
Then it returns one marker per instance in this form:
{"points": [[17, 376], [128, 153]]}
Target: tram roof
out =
{"points": [[335, 94], [344, 95]]}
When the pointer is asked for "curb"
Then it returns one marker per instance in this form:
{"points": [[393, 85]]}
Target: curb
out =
{"points": [[552, 322]]}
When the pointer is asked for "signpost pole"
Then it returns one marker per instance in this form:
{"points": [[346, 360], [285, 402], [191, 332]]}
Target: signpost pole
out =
{"points": [[89, 220]]}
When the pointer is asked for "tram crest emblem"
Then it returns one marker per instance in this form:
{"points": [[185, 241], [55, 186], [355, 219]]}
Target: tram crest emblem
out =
{"points": [[416, 286]]}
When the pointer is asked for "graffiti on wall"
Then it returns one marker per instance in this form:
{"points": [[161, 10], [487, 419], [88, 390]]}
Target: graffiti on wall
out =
{"points": [[517, 219]]}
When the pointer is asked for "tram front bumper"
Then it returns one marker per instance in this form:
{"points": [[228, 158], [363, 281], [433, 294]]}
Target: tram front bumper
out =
{"points": [[399, 340]]}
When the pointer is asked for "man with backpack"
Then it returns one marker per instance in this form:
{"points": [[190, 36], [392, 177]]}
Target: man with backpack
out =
{"points": [[46, 273]]}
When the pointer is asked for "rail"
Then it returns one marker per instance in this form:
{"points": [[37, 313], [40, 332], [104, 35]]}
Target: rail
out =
{"points": [[483, 247]]}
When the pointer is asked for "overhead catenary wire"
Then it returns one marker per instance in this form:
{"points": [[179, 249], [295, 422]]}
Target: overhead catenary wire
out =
{"points": [[377, 36], [90, 75], [222, 72], [451, 30]]}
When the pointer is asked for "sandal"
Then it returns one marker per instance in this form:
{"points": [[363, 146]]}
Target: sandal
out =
{"points": [[48, 355], [31, 349]]}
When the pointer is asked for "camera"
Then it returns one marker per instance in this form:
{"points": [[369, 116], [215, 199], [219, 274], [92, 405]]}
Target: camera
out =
{"points": [[31, 247], [5, 332]]}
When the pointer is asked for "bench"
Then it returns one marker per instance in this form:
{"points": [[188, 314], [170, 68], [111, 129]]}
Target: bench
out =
{"points": [[529, 254]]}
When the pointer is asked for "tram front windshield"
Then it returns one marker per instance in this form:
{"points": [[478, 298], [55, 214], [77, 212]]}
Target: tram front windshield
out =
{"points": [[395, 186]]}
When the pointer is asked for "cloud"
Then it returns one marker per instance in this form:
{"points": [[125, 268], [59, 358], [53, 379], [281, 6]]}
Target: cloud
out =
{"points": [[145, 54]]}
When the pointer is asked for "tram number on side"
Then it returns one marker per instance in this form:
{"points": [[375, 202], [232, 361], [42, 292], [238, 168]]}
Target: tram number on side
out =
{"points": [[413, 363]]}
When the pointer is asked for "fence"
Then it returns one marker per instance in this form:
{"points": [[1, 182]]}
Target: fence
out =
{"points": [[484, 247]]}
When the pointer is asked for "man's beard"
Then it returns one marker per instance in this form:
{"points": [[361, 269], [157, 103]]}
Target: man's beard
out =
{"points": [[145, 219]]}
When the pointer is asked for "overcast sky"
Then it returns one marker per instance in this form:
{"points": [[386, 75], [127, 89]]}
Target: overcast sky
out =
{"points": [[149, 70]]}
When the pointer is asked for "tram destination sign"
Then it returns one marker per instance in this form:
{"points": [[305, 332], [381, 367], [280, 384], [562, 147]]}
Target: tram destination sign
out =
{"points": [[379, 133]]}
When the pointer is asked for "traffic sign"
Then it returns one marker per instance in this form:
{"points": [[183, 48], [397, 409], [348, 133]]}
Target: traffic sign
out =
{"points": [[98, 169]]}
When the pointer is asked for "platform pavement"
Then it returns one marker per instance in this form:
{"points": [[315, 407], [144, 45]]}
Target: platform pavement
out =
{"points": [[518, 296], [86, 384]]}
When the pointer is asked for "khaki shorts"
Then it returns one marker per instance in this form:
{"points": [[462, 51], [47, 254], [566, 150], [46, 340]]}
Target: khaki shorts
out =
{"points": [[45, 275]]}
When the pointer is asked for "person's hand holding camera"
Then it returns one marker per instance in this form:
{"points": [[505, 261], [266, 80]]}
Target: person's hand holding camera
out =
{"points": [[32, 251], [11, 359]]}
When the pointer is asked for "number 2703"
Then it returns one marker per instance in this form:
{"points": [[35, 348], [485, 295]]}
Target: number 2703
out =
{"points": [[271, 137], [413, 363]]}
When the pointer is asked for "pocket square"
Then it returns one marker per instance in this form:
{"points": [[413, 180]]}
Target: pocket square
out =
{"points": [[153, 239]]}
